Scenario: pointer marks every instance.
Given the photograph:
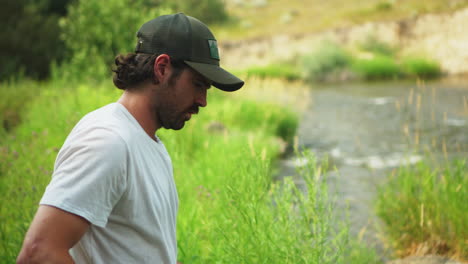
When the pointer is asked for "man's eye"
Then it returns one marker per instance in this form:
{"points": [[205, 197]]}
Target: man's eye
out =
{"points": [[202, 85]]}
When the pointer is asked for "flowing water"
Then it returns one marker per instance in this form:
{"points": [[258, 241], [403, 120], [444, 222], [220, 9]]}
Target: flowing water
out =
{"points": [[368, 129]]}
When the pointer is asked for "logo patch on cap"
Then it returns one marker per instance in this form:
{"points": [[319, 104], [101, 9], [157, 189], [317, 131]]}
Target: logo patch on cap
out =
{"points": [[213, 49]]}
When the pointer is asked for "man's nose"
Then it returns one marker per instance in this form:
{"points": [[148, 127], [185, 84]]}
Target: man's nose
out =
{"points": [[201, 99]]}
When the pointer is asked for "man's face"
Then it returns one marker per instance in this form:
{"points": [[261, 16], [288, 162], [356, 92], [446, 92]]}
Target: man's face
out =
{"points": [[180, 98]]}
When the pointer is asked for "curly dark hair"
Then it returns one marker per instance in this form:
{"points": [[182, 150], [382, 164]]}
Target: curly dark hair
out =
{"points": [[135, 68]]}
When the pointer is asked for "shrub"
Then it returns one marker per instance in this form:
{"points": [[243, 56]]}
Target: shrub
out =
{"points": [[421, 67], [377, 67], [326, 60]]}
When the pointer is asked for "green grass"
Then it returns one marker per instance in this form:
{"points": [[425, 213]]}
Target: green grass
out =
{"points": [[230, 209], [425, 205]]}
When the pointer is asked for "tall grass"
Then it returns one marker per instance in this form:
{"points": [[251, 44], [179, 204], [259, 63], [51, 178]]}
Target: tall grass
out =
{"points": [[230, 210], [424, 208]]}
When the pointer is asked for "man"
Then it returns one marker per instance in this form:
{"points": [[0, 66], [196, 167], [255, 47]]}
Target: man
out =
{"points": [[112, 198]]}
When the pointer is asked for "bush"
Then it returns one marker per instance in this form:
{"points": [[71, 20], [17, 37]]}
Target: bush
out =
{"points": [[421, 67], [328, 59], [96, 31], [377, 67], [426, 205]]}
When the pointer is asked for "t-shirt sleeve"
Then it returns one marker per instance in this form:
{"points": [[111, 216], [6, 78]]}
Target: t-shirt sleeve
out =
{"points": [[89, 175]]}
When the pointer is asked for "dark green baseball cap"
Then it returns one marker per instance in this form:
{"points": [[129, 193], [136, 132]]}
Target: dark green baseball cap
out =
{"points": [[186, 38]]}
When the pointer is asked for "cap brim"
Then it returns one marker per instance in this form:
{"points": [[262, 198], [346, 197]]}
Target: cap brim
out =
{"points": [[221, 78]]}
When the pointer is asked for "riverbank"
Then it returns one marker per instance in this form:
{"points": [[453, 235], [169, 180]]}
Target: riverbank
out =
{"points": [[439, 36]]}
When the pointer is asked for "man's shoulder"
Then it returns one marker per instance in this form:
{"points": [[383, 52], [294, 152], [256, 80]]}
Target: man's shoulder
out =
{"points": [[104, 126], [108, 114], [110, 119]]}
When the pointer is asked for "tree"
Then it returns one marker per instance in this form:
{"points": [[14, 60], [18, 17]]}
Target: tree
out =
{"points": [[29, 39]]}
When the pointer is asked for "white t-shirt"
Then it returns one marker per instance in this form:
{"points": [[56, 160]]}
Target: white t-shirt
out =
{"points": [[110, 172]]}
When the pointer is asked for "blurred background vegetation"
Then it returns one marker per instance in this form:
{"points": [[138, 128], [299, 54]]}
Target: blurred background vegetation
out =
{"points": [[40, 35], [30, 37], [43, 34]]}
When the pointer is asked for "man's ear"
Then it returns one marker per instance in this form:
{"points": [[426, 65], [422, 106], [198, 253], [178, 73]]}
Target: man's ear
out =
{"points": [[162, 68]]}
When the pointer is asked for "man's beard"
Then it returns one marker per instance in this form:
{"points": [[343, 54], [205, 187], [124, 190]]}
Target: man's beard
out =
{"points": [[168, 113], [170, 117]]}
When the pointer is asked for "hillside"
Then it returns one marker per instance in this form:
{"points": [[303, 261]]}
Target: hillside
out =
{"points": [[270, 31], [264, 18]]}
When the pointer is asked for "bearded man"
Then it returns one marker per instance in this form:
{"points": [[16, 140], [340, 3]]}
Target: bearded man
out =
{"points": [[112, 197]]}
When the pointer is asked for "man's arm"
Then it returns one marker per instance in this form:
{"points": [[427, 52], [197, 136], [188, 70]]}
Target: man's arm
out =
{"points": [[51, 234]]}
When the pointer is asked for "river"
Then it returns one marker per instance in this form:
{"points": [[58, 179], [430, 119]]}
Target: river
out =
{"points": [[368, 129]]}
